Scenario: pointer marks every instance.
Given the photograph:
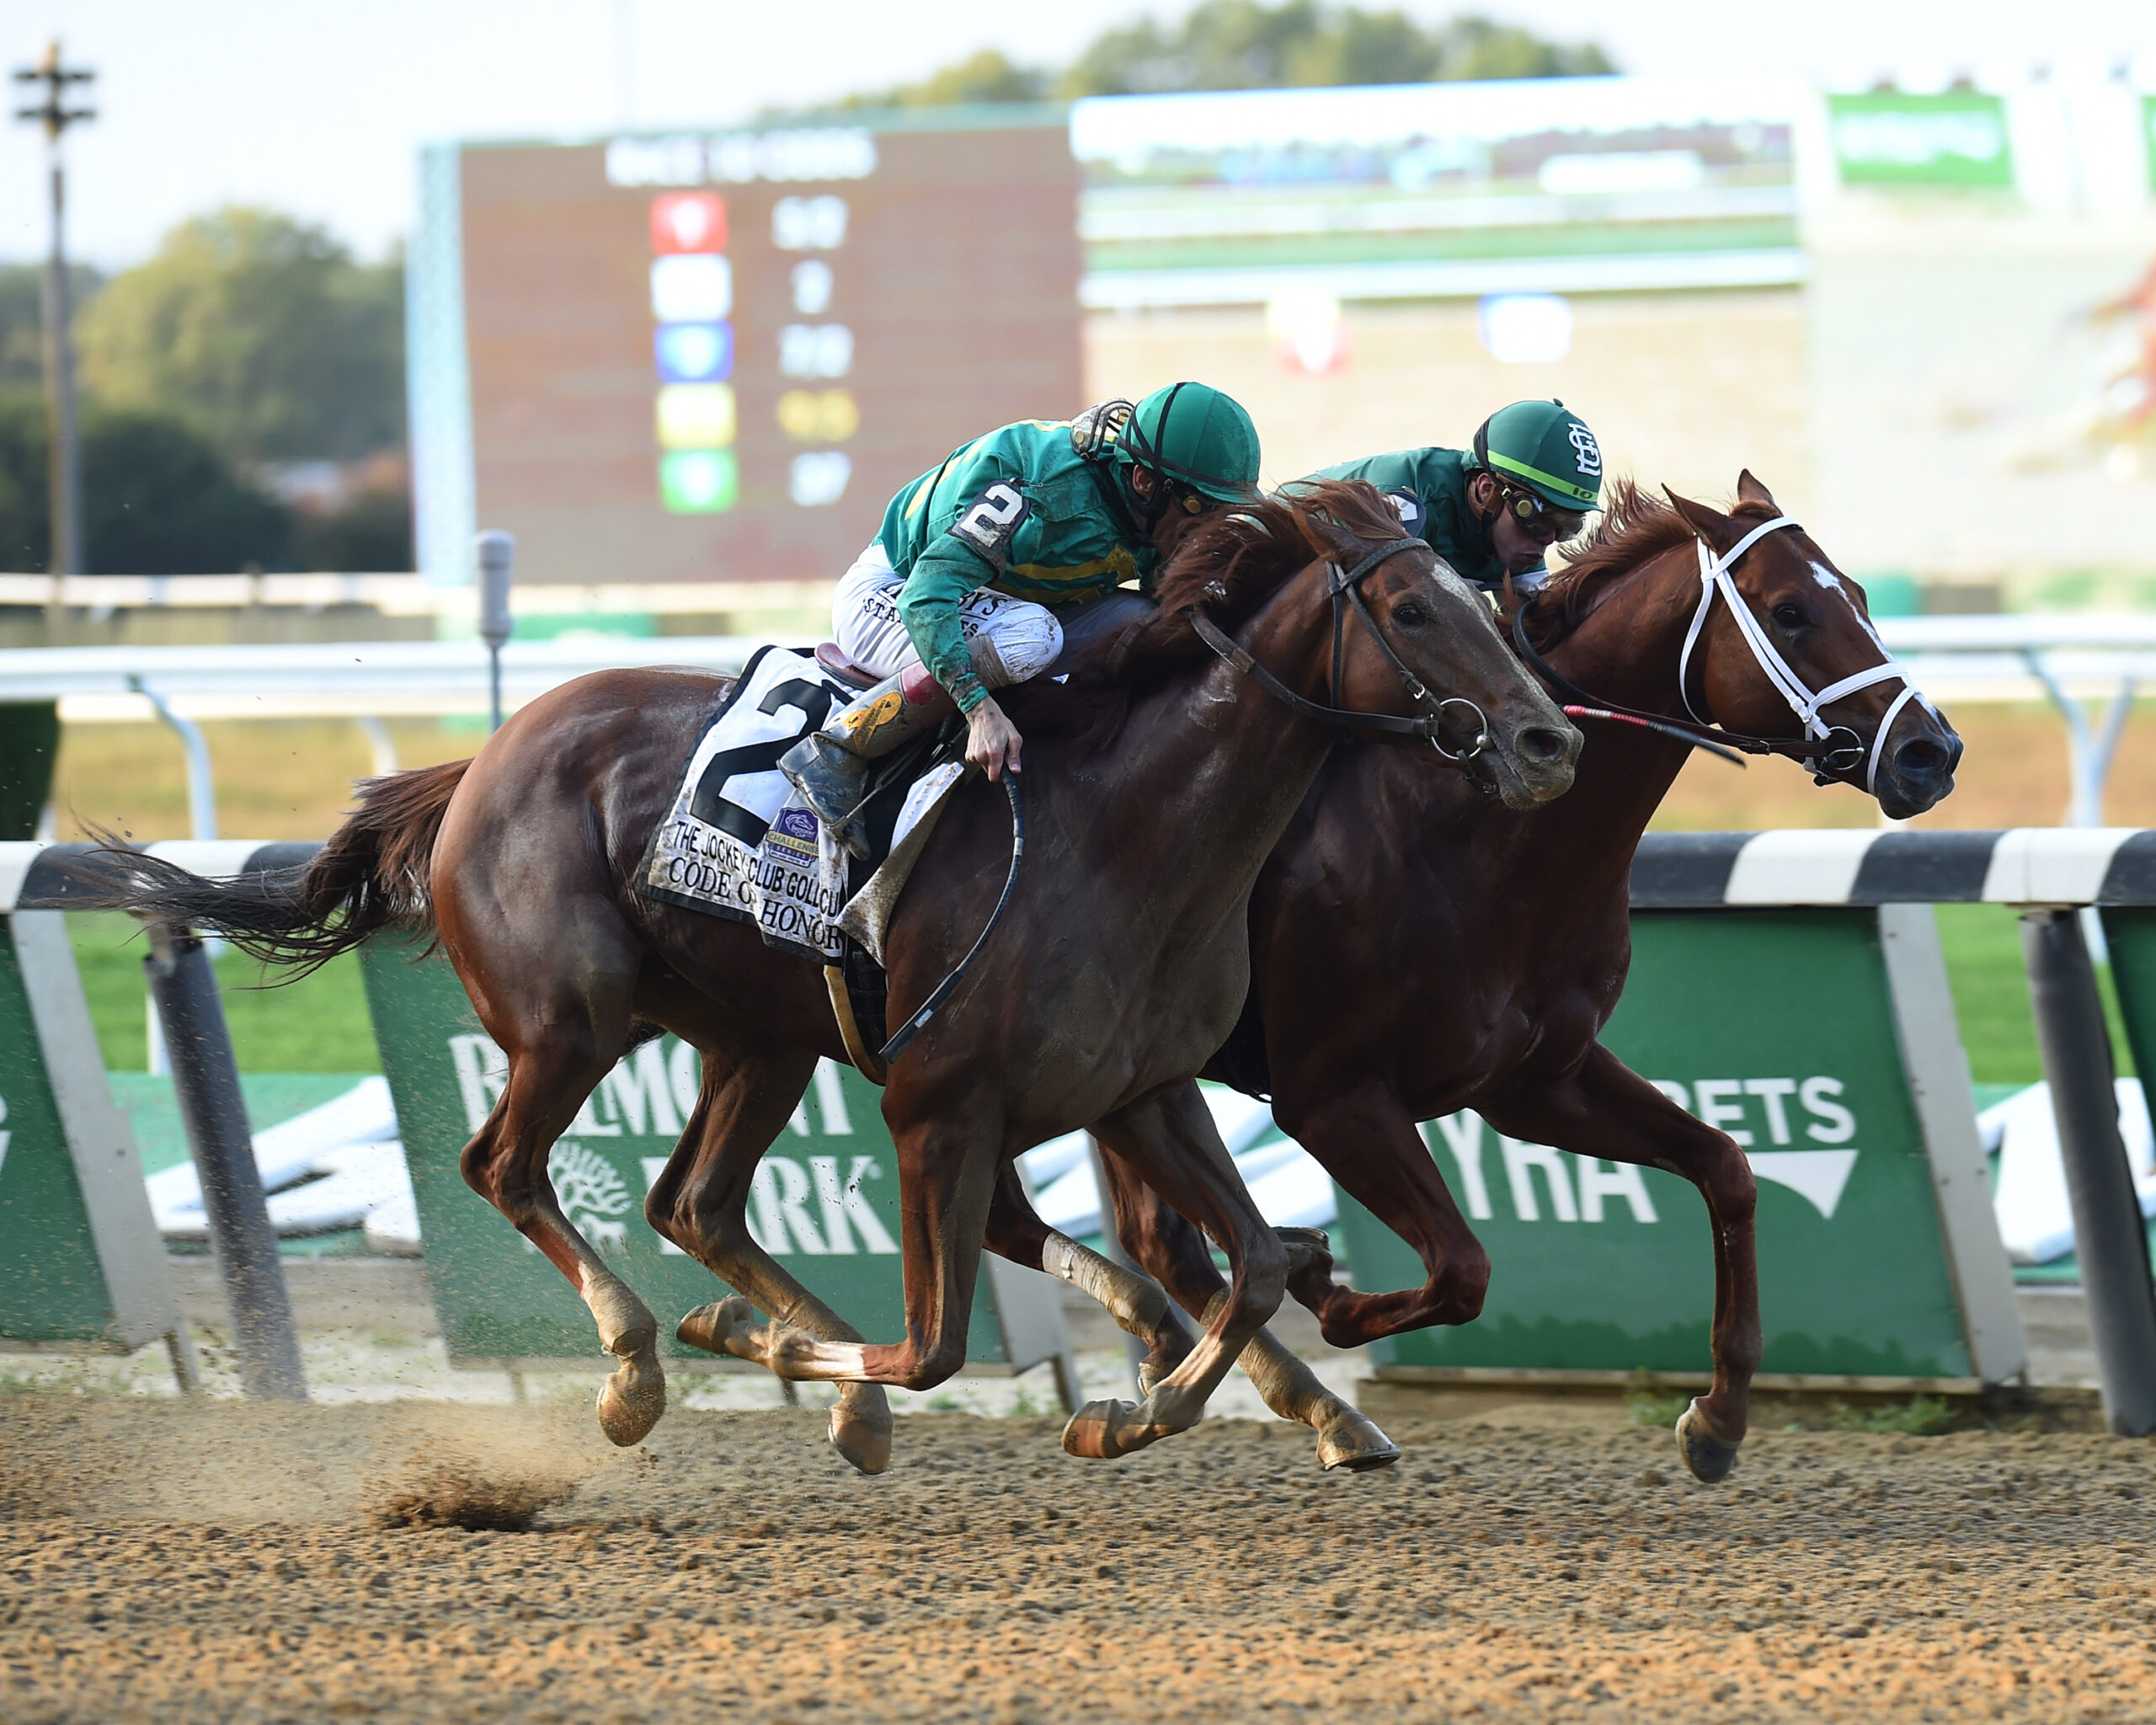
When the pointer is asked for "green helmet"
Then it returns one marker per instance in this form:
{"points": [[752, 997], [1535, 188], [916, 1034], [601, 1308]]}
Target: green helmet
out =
{"points": [[1197, 437], [1545, 448]]}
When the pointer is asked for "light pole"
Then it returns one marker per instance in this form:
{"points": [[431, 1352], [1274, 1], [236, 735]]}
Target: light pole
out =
{"points": [[496, 554], [68, 553]]}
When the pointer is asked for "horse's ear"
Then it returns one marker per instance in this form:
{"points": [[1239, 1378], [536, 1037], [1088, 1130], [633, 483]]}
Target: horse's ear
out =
{"points": [[1712, 524], [1343, 543], [1750, 490]]}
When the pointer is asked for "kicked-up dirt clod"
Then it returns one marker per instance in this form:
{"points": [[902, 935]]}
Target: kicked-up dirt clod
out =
{"points": [[217, 1561]]}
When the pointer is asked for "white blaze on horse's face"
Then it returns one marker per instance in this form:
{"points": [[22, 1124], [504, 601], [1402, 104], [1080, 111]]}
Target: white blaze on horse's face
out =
{"points": [[1833, 583]]}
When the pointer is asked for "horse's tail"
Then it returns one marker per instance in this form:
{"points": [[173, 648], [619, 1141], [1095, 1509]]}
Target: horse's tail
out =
{"points": [[370, 876]]}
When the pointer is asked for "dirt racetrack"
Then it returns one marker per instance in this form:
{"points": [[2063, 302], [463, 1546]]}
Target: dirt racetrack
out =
{"points": [[166, 1562]]}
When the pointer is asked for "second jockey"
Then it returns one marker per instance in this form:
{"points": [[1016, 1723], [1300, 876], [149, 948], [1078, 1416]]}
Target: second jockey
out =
{"points": [[1493, 512], [958, 595]]}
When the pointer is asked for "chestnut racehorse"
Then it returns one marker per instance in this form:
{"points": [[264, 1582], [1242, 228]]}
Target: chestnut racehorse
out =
{"points": [[1487, 946], [1155, 788]]}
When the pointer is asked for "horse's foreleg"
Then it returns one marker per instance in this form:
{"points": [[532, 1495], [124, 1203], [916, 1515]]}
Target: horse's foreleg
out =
{"points": [[1169, 1141], [1171, 1248], [1368, 1141], [1605, 1109], [700, 1202], [947, 1174], [1137, 1303], [506, 1164]]}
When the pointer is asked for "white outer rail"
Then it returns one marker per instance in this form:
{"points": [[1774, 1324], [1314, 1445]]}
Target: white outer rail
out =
{"points": [[2067, 660]]}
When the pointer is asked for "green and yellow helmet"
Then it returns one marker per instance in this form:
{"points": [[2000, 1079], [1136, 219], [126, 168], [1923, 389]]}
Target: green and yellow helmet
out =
{"points": [[1540, 445], [1197, 436]]}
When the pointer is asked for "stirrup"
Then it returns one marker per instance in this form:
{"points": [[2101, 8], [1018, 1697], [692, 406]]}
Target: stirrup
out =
{"points": [[831, 779]]}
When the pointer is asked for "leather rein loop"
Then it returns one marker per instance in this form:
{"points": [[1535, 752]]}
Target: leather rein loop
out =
{"points": [[1345, 588]]}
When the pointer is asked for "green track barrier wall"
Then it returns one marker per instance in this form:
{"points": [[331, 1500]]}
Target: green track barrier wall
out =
{"points": [[826, 1200], [2131, 933], [1826, 1038], [80, 1261]]}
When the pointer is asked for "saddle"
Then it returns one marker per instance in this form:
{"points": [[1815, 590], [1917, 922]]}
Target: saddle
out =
{"points": [[831, 657]]}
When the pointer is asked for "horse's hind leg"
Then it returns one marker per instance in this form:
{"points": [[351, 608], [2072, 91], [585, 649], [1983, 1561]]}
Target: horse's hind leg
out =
{"points": [[1171, 1248], [1137, 1303], [700, 1202], [506, 1164], [1169, 1140]]}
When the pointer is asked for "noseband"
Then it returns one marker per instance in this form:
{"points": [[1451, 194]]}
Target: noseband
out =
{"points": [[1345, 588], [1822, 748]]}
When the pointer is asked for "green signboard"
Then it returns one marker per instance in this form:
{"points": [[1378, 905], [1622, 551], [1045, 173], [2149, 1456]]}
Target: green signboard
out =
{"points": [[81, 1264], [825, 1201], [1888, 137], [2148, 137], [1824, 1042]]}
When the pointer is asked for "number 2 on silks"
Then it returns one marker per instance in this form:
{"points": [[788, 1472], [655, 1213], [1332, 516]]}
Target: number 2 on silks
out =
{"points": [[988, 521]]}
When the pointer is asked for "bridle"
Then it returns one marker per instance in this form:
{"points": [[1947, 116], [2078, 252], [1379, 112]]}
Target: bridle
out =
{"points": [[1344, 586], [1826, 751]]}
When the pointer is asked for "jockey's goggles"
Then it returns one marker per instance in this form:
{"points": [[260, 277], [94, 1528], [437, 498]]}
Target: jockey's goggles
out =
{"points": [[1539, 516]]}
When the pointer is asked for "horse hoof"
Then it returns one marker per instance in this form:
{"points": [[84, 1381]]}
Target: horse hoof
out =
{"points": [[630, 1402], [1709, 1457], [1354, 1441], [857, 1435], [721, 1327], [1102, 1431]]}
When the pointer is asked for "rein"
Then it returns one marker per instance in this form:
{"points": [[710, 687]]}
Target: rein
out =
{"points": [[928, 1008], [1822, 748], [1345, 588]]}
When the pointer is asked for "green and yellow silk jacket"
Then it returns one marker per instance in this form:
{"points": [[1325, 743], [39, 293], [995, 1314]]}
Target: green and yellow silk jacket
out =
{"points": [[1020, 511]]}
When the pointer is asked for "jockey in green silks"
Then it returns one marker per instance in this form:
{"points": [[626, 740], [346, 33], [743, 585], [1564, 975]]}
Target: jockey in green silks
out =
{"points": [[958, 594], [1494, 511]]}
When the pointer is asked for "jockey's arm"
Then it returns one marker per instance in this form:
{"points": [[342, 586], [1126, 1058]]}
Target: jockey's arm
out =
{"points": [[947, 573], [944, 576]]}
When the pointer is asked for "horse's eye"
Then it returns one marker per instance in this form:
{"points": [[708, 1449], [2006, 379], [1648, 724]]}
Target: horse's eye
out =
{"points": [[1790, 616], [1409, 616]]}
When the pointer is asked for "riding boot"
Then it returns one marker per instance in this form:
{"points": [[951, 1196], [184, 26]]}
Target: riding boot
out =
{"points": [[830, 767]]}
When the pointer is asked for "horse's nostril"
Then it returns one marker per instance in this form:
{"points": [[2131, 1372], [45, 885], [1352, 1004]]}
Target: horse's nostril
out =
{"points": [[1920, 758], [1541, 745]]}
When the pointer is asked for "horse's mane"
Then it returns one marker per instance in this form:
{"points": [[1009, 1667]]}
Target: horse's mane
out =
{"points": [[1636, 526], [1227, 564]]}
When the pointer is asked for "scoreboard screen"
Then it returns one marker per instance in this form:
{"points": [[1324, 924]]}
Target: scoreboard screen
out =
{"points": [[715, 357]]}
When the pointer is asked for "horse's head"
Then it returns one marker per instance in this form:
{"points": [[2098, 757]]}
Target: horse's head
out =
{"points": [[1407, 636], [1804, 660]]}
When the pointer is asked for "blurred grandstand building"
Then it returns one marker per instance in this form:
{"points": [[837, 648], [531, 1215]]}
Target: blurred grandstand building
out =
{"points": [[1926, 317]]}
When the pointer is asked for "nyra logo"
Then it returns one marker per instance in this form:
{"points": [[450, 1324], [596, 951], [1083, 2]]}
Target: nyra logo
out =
{"points": [[1583, 1189], [1588, 451]]}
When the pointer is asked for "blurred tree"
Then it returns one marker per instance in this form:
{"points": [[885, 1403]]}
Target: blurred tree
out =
{"points": [[260, 332], [1238, 45], [1241, 44], [372, 533], [988, 76], [22, 318], [158, 498]]}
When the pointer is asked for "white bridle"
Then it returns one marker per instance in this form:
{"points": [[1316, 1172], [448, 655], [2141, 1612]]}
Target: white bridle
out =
{"points": [[1713, 578]]}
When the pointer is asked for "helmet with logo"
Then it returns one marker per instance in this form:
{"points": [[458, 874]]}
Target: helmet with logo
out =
{"points": [[1540, 445], [1197, 437]]}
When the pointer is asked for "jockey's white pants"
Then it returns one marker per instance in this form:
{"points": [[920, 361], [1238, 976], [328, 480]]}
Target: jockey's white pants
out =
{"points": [[1010, 639]]}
